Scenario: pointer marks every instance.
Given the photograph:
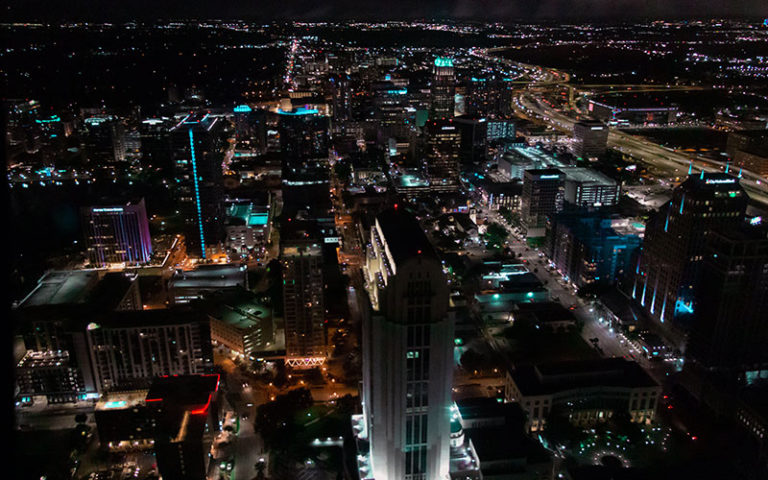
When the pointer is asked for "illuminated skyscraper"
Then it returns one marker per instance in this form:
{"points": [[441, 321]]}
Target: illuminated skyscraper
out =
{"points": [[443, 149], [543, 196], [675, 238], [117, 234], [443, 88], [407, 355], [198, 153], [730, 333], [304, 310]]}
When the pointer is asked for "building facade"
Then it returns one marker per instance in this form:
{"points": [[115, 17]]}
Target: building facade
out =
{"points": [[303, 305], [675, 240], [118, 234], [407, 354], [543, 193]]}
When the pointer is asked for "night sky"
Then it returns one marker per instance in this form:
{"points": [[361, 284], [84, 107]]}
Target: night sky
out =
{"points": [[500, 10]]}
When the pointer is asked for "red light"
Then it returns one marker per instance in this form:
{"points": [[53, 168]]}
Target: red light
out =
{"points": [[203, 409], [395, 206], [419, 252], [670, 407], [694, 437]]}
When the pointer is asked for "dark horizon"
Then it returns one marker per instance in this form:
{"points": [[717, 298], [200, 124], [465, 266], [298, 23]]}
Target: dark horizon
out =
{"points": [[459, 10]]}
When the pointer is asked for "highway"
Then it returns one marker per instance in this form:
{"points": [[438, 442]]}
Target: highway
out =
{"points": [[528, 105], [656, 155]]}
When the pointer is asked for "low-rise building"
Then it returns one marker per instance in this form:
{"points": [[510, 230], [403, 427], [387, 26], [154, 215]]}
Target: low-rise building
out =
{"points": [[586, 392]]}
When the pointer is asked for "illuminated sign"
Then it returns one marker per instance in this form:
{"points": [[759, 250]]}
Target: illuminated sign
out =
{"points": [[443, 62], [715, 181], [448, 128], [756, 221], [549, 177], [243, 109], [331, 239], [108, 210], [597, 128], [115, 404]]}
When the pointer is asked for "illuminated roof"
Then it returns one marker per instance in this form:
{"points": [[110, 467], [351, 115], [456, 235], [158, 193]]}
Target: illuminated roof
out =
{"points": [[443, 62], [299, 111]]}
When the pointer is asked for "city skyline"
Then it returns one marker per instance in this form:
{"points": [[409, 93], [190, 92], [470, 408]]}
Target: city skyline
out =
{"points": [[411, 249]]}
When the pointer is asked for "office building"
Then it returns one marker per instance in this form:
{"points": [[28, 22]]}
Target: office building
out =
{"points": [[241, 323], [543, 194], [585, 392], [592, 248], [303, 305], [443, 149], [185, 417], [443, 89], [407, 355], [585, 187], [128, 349], [304, 144], [197, 149], [155, 139], [103, 139], [117, 234], [730, 333], [590, 138], [675, 240]]}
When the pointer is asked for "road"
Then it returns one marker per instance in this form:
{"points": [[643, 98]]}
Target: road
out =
{"points": [[678, 164]]}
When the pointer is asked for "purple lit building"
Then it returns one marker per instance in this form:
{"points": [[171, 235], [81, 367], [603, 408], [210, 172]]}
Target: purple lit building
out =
{"points": [[117, 234]]}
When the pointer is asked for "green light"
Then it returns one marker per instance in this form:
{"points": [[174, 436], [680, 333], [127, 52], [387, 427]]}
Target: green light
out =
{"points": [[529, 295], [458, 341]]}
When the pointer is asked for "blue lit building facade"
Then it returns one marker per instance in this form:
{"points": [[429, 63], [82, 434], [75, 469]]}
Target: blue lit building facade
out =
{"points": [[198, 153], [117, 234], [675, 239], [592, 248]]}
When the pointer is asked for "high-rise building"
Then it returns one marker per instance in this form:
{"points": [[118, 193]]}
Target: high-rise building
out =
{"points": [[591, 248], [154, 134], [407, 354], [591, 138], [128, 349], [304, 143], [303, 306], [543, 192], [443, 88], [103, 139], [185, 417], [443, 149], [675, 240], [117, 234], [197, 149], [730, 332]]}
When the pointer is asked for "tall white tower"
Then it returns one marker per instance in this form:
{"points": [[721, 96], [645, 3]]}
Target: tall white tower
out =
{"points": [[407, 354]]}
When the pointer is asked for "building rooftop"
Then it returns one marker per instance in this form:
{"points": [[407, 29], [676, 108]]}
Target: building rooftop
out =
{"points": [[183, 391], [121, 400], [404, 236], [60, 287], [141, 318], [111, 290], [586, 175], [210, 276], [544, 379]]}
